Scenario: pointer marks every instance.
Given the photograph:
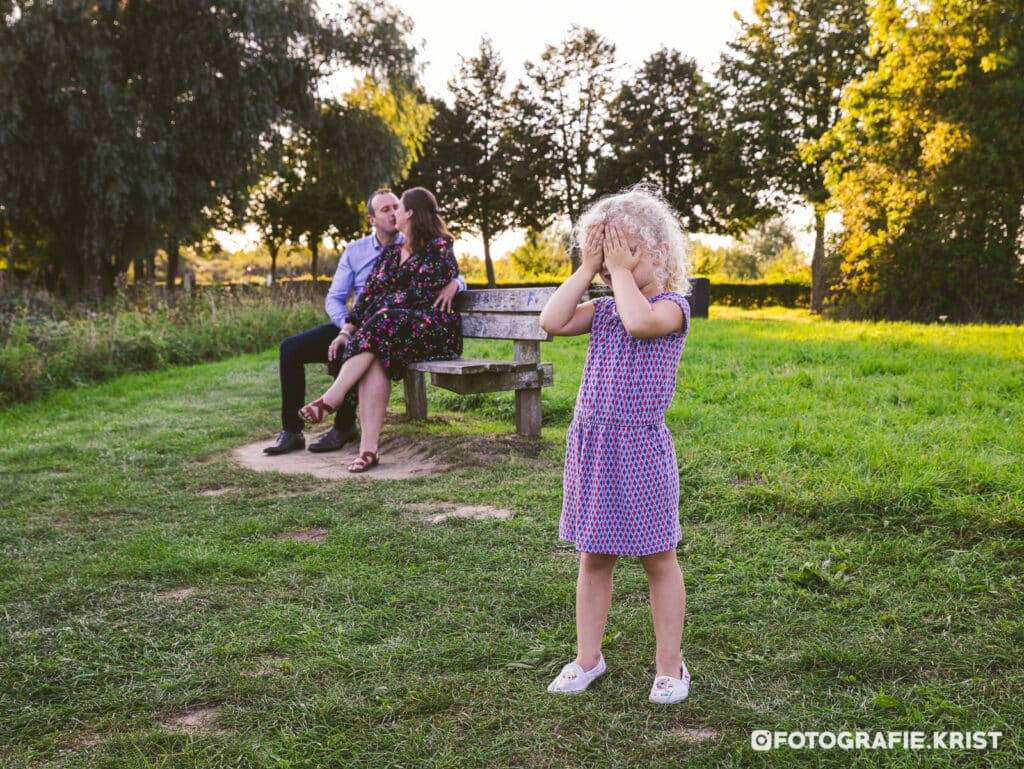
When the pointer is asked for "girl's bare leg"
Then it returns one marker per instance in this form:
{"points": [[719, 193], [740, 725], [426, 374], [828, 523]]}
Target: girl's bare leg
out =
{"points": [[374, 392], [668, 608], [593, 599]]}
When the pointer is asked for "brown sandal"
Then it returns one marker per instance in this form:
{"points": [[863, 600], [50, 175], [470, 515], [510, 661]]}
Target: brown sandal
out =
{"points": [[363, 462], [316, 411]]}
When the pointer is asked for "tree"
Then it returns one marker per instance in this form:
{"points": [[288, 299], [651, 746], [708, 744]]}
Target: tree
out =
{"points": [[332, 167], [657, 131], [928, 165], [560, 111], [543, 255], [782, 83], [468, 160], [122, 122], [269, 213]]}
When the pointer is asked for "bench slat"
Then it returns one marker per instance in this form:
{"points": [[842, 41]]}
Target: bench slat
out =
{"points": [[469, 366], [532, 378], [504, 300], [503, 327]]}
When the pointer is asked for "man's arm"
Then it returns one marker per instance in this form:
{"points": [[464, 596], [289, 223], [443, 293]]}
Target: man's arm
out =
{"points": [[340, 290]]}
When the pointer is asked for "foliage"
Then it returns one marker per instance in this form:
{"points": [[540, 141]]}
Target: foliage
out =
{"points": [[782, 83], [124, 123], [928, 166], [468, 162], [47, 346], [765, 252], [331, 167], [561, 108], [543, 257], [657, 130], [764, 294]]}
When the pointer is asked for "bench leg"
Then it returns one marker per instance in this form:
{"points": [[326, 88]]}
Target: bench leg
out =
{"points": [[528, 412], [415, 383], [528, 408]]}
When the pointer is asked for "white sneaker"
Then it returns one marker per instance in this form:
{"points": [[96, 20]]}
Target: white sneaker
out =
{"points": [[573, 679], [668, 690]]}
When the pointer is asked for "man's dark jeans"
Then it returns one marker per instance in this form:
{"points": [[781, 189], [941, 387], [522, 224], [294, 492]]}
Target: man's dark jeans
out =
{"points": [[296, 351]]}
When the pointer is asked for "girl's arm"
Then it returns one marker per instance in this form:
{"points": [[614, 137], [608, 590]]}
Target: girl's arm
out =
{"points": [[641, 319], [563, 315]]}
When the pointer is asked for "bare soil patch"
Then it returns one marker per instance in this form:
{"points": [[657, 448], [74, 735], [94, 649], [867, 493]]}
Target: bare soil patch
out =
{"points": [[217, 492], [202, 721], [308, 534], [180, 594], [401, 458], [697, 734], [441, 512]]}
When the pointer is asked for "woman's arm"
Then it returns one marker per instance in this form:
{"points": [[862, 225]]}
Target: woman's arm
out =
{"points": [[563, 315]]}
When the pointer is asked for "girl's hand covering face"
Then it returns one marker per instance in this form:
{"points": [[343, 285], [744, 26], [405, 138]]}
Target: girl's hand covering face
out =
{"points": [[617, 254], [593, 249]]}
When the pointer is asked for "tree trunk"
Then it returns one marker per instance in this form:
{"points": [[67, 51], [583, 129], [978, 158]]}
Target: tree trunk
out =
{"points": [[488, 264], [273, 248], [818, 262], [136, 246], [10, 261], [72, 276], [173, 249], [314, 247]]}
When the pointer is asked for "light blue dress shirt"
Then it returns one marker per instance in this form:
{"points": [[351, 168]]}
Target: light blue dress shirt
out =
{"points": [[353, 269]]}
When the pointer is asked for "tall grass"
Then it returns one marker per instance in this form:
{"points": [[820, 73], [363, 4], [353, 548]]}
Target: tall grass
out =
{"points": [[48, 346]]}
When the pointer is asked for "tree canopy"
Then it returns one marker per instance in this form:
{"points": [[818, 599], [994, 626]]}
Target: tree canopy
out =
{"points": [[782, 82], [928, 165], [123, 122]]}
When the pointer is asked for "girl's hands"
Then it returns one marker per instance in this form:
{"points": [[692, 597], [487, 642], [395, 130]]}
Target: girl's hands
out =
{"points": [[617, 255], [592, 258]]}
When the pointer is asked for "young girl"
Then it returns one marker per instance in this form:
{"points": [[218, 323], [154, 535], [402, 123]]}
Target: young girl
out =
{"points": [[621, 479]]}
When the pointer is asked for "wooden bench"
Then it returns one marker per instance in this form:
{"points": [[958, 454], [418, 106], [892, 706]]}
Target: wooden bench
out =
{"points": [[510, 313]]}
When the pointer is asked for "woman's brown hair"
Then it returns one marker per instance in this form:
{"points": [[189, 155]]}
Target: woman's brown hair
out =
{"points": [[427, 224]]}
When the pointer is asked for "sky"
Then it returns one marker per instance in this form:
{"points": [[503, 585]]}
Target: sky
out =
{"points": [[520, 30]]}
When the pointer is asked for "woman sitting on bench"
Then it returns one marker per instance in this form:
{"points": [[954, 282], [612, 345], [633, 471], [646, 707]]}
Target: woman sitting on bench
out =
{"points": [[395, 321]]}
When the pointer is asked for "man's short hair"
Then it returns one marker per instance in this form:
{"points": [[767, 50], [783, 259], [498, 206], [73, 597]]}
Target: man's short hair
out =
{"points": [[374, 194]]}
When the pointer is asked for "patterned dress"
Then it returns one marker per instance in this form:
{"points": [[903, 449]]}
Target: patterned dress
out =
{"points": [[621, 479], [395, 316]]}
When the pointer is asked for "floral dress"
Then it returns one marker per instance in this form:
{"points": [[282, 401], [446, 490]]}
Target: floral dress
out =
{"points": [[395, 316], [621, 478]]}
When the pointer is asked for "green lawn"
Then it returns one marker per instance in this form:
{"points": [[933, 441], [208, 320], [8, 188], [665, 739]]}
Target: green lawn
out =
{"points": [[853, 519]]}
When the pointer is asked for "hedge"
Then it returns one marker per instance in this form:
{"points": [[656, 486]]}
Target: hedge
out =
{"points": [[753, 295]]}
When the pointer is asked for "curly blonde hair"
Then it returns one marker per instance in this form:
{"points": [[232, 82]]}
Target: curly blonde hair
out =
{"points": [[642, 213]]}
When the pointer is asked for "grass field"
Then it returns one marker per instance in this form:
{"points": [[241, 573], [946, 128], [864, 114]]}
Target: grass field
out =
{"points": [[853, 518]]}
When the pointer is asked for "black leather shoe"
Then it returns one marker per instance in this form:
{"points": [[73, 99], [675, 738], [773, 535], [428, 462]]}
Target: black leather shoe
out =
{"points": [[287, 441], [334, 439]]}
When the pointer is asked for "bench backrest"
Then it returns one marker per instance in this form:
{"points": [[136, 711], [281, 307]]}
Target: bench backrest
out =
{"points": [[503, 313]]}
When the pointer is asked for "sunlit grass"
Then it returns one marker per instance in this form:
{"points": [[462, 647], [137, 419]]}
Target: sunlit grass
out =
{"points": [[853, 518]]}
